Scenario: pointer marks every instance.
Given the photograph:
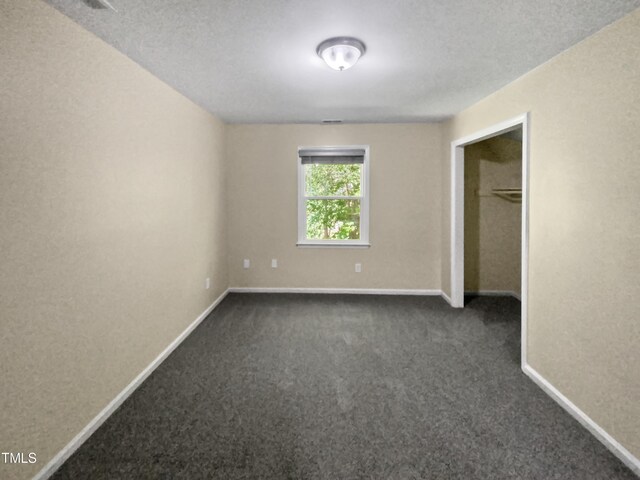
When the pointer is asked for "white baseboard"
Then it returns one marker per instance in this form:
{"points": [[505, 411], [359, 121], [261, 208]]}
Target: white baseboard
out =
{"points": [[447, 298], [350, 291], [596, 430], [494, 293], [57, 461]]}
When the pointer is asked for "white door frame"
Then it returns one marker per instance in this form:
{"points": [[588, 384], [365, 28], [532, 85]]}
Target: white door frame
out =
{"points": [[457, 214]]}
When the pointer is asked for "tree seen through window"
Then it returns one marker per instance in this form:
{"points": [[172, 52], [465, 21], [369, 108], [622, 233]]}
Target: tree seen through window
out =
{"points": [[333, 201]]}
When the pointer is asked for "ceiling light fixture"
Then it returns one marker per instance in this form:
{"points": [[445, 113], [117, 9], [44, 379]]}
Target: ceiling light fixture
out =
{"points": [[341, 53]]}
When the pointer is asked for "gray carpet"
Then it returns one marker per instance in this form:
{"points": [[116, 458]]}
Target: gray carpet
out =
{"points": [[345, 387]]}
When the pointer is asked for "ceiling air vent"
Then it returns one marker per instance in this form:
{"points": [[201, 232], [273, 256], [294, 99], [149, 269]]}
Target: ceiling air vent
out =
{"points": [[99, 4], [331, 122]]}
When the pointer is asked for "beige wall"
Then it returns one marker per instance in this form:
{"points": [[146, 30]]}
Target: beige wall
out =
{"points": [[584, 272], [492, 226], [111, 216], [405, 208]]}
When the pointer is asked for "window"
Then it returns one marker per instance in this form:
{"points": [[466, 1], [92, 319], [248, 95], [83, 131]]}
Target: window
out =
{"points": [[333, 196]]}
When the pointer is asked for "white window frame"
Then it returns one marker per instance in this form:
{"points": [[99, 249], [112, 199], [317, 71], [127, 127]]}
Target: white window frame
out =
{"points": [[363, 241]]}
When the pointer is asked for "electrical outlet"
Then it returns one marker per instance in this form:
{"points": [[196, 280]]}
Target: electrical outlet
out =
{"points": [[207, 283], [358, 267], [246, 263], [274, 263]]}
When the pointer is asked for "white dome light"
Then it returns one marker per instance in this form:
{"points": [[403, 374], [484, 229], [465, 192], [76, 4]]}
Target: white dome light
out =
{"points": [[341, 53]]}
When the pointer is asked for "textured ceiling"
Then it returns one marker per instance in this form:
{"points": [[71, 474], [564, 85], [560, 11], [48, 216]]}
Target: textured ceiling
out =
{"points": [[254, 61]]}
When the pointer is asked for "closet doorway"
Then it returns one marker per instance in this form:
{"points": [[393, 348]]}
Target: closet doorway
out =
{"points": [[490, 198]]}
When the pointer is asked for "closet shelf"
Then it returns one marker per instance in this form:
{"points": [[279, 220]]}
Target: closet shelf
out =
{"points": [[510, 194]]}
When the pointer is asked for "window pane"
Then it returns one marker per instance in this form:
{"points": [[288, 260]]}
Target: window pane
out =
{"points": [[333, 219], [333, 180]]}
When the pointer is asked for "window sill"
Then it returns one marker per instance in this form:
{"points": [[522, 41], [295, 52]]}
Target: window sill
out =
{"points": [[329, 244]]}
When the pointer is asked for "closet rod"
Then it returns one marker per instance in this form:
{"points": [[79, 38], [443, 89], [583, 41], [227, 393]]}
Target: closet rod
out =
{"points": [[509, 194]]}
